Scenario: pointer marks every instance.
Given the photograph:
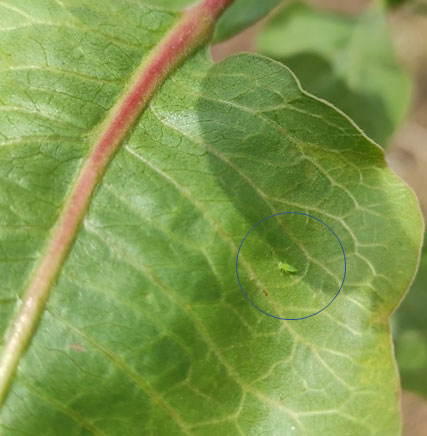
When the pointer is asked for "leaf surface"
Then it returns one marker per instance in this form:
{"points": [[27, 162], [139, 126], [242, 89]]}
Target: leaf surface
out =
{"points": [[146, 330], [347, 61]]}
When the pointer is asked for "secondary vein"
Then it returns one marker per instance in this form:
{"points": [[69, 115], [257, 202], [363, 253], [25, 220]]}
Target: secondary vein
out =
{"points": [[194, 27]]}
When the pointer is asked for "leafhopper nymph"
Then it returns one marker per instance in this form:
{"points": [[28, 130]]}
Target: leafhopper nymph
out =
{"points": [[286, 268]]}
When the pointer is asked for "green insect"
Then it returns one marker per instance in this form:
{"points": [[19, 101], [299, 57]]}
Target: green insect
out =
{"points": [[286, 268]]}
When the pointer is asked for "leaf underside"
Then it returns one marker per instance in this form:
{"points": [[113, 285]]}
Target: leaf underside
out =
{"points": [[146, 330]]}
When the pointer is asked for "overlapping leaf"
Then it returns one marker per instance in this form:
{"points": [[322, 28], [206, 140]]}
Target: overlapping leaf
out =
{"points": [[237, 17], [146, 330], [348, 61]]}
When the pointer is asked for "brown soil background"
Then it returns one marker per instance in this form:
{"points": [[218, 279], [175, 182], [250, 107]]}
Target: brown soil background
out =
{"points": [[407, 151]]}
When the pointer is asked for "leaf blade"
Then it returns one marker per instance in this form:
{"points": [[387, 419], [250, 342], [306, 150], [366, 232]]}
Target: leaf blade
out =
{"points": [[133, 313]]}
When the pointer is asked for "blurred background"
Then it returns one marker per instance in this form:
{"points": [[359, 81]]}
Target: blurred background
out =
{"points": [[369, 58]]}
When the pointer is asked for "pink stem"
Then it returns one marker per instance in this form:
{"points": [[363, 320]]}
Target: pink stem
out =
{"points": [[194, 27]]}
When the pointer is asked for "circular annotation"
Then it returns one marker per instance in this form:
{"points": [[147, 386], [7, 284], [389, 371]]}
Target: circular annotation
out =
{"points": [[326, 227]]}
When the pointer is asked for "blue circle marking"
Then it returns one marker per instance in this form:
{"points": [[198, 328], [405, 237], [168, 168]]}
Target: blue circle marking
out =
{"points": [[291, 213]]}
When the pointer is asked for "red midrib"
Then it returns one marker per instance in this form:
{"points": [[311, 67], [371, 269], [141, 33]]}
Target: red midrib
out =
{"points": [[194, 27]]}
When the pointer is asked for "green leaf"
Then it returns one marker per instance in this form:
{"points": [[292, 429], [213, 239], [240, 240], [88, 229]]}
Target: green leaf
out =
{"points": [[241, 14], [419, 6], [410, 333], [146, 330], [170, 4], [347, 61], [396, 3]]}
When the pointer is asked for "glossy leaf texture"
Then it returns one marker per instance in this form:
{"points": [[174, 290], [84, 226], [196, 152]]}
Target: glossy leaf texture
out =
{"points": [[410, 333], [146, 330], [347, 61], [236, 18]]}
